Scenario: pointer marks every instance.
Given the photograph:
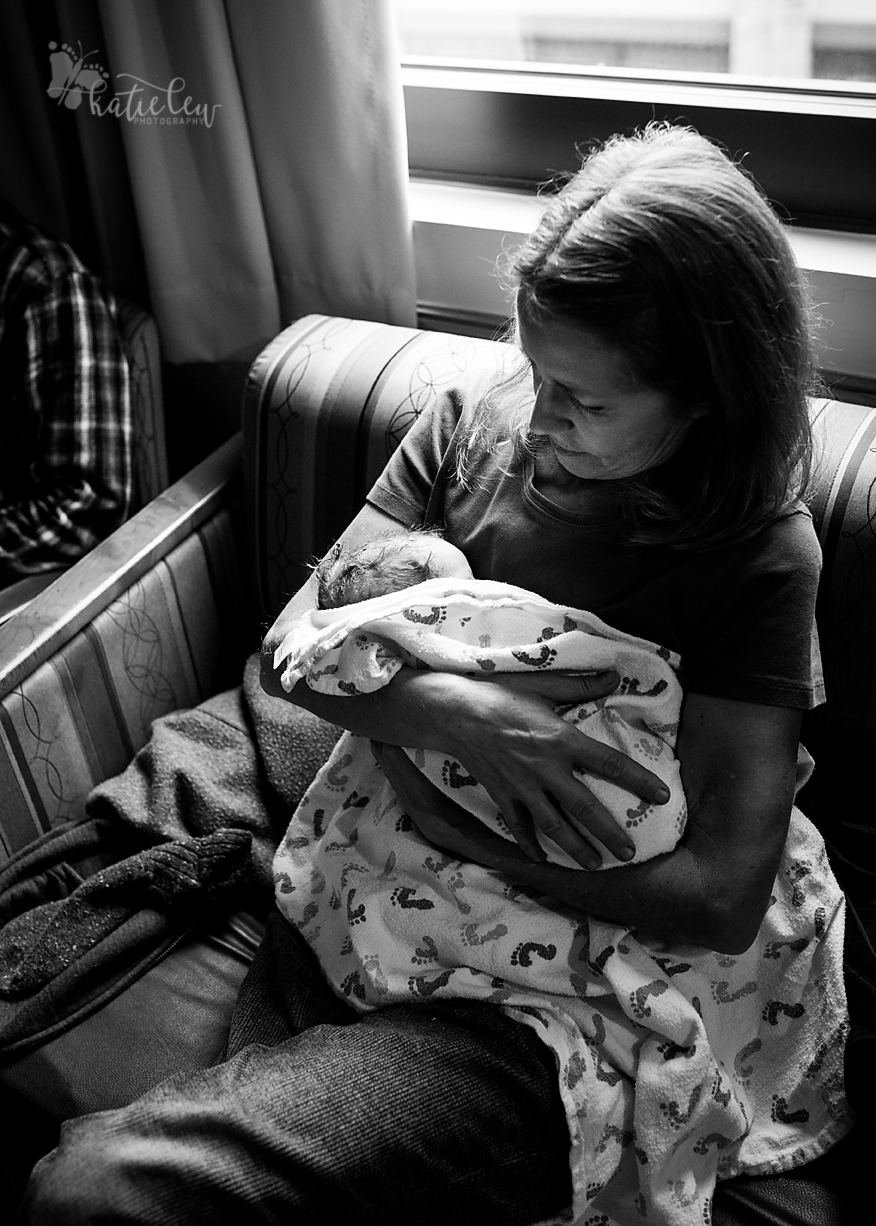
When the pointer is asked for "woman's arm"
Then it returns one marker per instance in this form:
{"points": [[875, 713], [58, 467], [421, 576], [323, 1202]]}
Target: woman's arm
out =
{"points": [[738, 771], [504, 732]]}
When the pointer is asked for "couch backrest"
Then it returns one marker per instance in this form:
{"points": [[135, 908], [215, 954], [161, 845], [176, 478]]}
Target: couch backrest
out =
{"points": [[329, 399]]}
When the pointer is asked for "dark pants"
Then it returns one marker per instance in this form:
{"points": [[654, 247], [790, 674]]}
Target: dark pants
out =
{"points": [[446, 1112]]}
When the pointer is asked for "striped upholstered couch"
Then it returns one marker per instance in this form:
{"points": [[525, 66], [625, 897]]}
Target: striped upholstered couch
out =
{"points": [[163, 614]]}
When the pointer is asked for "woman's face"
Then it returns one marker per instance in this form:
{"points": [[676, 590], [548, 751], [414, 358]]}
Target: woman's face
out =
{"points": [[601, 423]]}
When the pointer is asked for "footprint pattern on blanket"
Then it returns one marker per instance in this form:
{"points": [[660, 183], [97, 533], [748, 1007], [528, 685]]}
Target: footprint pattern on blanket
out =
{"points": [[672, 1051], [283, 883], [636, 816], [355, 915], [683, 1198], [544, 659], [437, 864], [522, 955], [797, 872], [454, 776], [716, 1139], [632, 685], [424, 985], [622, 1136], [333, 775], [576, 1067], [670, 968], [719, 1094], [436, 615], [782, 1115], [773, 949], [741, 1066], [677, 1116], [471, 936], [371, 965], [389, 872], [427, 952], [724, 997], [776, 1008], [638, 999], [353, 986], [406, 896], [455, 884]]}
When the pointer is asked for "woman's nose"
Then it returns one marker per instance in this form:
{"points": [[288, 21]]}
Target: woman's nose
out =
{"points": [[548, 415]]}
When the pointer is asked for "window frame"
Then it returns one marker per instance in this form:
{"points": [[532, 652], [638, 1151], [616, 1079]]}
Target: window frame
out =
{"points": [[517, 126]]}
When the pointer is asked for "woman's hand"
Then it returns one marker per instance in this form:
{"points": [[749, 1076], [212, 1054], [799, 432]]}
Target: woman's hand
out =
{"points": [[506, 734], [440, 821], [738, 770]]}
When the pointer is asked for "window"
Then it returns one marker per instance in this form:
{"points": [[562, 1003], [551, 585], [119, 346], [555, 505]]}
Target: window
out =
{"points": [[793, 39], [485, 107], [503, 94]]}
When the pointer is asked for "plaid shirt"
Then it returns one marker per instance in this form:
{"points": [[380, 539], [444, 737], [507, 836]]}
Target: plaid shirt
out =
{"points": [[65, 406]]}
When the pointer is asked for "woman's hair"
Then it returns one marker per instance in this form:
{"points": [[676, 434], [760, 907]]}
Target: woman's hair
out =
{"points": [[667, 251]]}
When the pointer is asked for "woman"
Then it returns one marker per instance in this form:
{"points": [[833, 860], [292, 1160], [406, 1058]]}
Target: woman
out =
{"points": [[653, 478]]}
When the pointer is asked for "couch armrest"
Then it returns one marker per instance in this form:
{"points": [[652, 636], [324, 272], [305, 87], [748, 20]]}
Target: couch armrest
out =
{"points": [[153, 619]]}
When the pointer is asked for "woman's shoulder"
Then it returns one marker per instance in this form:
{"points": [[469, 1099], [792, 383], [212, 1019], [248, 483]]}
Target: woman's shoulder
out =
{"points": [[789, 540]]}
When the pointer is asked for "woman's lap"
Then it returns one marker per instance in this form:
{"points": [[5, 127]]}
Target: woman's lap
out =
{"points": [[430, 1113]]}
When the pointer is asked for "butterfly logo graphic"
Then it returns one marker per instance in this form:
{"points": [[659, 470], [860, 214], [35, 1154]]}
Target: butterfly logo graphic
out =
{"points": [[71, 76]]}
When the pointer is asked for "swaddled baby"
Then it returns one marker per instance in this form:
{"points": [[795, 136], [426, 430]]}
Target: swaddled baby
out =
{"points": [[389, 916], [641, 719]]}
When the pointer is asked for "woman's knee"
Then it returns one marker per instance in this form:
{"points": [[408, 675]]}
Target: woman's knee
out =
{"points": [[140, 1164], [89, 1178]]}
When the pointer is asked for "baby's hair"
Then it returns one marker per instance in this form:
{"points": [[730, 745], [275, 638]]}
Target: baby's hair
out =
{"points": [[668, 252], [346, 576]]}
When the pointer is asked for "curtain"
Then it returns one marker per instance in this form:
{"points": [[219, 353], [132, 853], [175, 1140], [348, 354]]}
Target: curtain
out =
{"points": [[261, 154], [68, 176]]}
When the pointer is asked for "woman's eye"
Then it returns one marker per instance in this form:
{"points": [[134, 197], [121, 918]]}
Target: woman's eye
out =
{"points": [[586, 408]]}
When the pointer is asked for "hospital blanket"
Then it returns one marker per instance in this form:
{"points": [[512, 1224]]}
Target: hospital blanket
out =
{"points": [[677, 1065]]}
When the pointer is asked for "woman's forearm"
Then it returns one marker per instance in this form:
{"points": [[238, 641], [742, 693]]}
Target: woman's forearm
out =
{"points": [[666, 897], [678, 897], [414, 710]]}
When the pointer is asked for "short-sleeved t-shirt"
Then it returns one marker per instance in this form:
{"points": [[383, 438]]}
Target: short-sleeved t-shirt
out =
{"points": [[742, 617]]}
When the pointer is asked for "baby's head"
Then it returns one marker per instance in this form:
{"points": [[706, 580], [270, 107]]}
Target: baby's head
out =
{"points": [[389, 565]]}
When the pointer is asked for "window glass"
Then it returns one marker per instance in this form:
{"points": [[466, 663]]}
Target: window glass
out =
{"points": [[831, 40]]}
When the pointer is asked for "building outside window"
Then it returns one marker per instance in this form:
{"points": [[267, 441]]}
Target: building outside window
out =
{"points": [[792, 39]]}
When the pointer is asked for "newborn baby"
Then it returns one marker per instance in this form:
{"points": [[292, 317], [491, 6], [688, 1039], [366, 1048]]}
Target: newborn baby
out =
{"points": [[348, 576], [411, 599], [388, 915]]}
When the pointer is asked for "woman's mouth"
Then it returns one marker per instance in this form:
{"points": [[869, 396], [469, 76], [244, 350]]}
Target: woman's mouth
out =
{"points": [[567, 452]]}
